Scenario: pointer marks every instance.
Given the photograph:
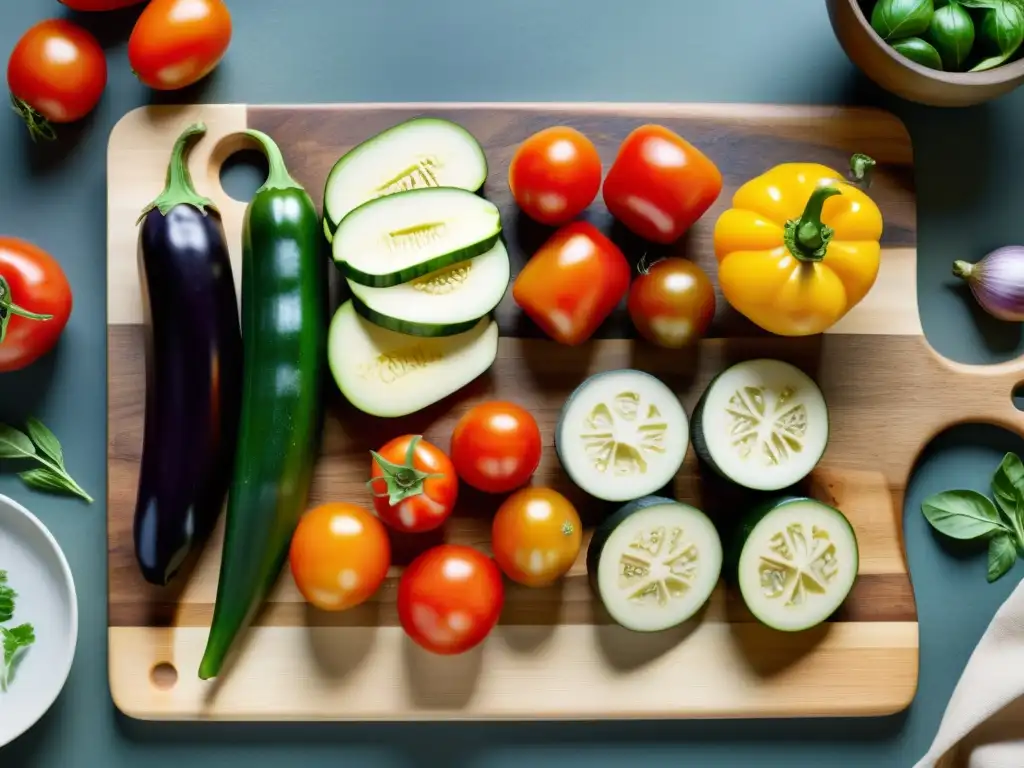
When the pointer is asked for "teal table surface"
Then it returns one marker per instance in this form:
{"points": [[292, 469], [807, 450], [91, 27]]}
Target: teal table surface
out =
{"points": [[968, 164]]}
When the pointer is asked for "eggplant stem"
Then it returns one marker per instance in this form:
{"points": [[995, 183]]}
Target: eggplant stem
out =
{"points": [[179, 189], [963, 269]]}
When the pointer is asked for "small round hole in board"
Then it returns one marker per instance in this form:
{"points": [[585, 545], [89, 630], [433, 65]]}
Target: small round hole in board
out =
{"points": [[242, 173], [1017, 397], [164, 676]]}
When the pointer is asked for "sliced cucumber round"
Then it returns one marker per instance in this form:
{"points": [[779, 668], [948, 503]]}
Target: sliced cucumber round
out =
{"points": [[763, 424], [395, 239], [654, 563], [621, 435], [442, 303], [798, 560], [418, 153]]}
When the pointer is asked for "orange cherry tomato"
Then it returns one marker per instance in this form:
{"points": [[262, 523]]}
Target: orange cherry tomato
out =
{"points": [[176, 43], [450, 598], [414, 484], [672, 303], [58, 71], [572, 283], [496, 446], [660, 184], [339, 556], [536, 536], [555, 174]]}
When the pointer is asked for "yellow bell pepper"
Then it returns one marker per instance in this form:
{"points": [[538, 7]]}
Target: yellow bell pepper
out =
{"points": [[799, 248]]}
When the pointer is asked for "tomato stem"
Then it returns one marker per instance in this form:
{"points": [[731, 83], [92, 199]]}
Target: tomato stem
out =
{"points": [[807, 238], [179, 189], [38, 126], [401, 480], [8, 309]]}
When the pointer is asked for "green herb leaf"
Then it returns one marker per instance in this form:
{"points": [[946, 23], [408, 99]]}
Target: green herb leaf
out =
{"points": [[51, 481], [15, 444], [919, 51], [14, 640], [963, 514], [1008, 483], [1002, 554], [1001, 32], [45, 441], [52, 476], [951, 32], [7, 595], [895, 19]]}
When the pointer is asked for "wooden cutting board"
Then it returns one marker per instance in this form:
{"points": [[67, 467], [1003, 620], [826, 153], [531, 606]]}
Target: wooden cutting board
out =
{"points": [[555, 654]]}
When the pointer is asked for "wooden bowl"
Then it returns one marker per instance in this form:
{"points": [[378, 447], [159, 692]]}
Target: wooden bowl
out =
{"points": [[904, 77]]}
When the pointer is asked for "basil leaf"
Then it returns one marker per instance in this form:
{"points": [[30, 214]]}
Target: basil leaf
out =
{"points": [[45, 479], [1008, 484], [14, 640], [15, 444], [981, 4], [919, 51], [894, 19], [47, 442], [952, 33], [1002, 31], [962, 514], [1002, 554]]}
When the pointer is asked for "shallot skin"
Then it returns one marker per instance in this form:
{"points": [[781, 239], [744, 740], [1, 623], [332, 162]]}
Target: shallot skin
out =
{"points": [[997, 282]]}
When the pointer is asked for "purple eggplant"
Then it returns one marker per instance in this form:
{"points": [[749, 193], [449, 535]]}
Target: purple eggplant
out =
{"points": [[193, 371]]}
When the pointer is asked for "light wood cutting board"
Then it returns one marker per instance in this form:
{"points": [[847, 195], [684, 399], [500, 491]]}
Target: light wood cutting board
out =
{"points": [[555, 654]]}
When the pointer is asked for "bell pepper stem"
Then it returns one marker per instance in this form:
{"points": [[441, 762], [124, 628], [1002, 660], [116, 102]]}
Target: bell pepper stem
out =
{"points": [[179, 189], [807, 238], [8, 309]]}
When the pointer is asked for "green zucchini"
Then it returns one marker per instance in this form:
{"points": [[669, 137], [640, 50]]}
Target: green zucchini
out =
{"points": [[284, 310]]}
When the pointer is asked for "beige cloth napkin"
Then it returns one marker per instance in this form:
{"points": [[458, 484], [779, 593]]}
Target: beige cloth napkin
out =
{"points": [[984, 722]]}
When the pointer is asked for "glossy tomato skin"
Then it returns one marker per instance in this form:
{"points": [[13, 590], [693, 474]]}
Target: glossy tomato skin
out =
{"points": [[672, 303], [339, 556], [176, 43], [660, 184], [423, 511], [536, 536], [37, 285], [572, 283], [496, 446], [450, 598], [99, 5], [58, 69], [555, 174]]}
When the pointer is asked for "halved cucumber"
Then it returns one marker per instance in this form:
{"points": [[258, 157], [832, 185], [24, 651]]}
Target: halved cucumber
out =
{"points": [[798, 562], [448, 301], [422, 152], [654, 563], [384, 373], [621, 435], [763, 424], [395, 239]]}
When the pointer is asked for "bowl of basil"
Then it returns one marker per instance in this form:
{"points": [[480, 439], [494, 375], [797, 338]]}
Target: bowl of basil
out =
{"points": [[946, 53]]}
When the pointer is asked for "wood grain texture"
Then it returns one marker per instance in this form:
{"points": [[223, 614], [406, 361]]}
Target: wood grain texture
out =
{"points": [[556, 653]]}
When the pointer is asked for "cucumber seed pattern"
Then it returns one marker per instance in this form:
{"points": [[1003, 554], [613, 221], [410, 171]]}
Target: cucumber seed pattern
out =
{"points": [[767, 425], [660, 565], [619, 437], [798, 566], [444, 281], [415, 237], [422, 174]]}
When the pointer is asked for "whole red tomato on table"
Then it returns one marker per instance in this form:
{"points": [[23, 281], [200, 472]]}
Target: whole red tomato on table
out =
{"points": [[176, 43], [555, 174], [450, 598], [414, 484], [496, 446], [35, 303], [672, 303]]}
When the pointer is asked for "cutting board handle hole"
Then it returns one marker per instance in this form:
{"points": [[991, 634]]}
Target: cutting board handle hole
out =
{"points": [[242, 173], [164, 676], [1017, 397]]}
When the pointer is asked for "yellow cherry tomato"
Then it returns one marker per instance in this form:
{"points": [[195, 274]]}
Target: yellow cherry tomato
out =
{"points": [[536, 536]]}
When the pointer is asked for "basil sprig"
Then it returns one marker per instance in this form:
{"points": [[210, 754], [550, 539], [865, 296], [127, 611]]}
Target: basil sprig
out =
{"points": [[969, 515]]}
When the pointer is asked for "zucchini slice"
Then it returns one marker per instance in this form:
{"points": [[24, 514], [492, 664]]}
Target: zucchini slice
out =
{"points": [[395, 239], [654, 563], [445, 302], [418, 153], [621, 435], [798, 562], [762, 424], [384, 373]]}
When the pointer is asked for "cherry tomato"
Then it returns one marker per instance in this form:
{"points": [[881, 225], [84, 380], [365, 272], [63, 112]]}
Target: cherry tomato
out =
{"points": [[572, 283], [555, 174], [99, 5], [414, 484], [660, 184], [178, 42], [496, 446], [536, 536], [339, 556], [56, 73], [672, 303], [33, 287], [450, 598]]}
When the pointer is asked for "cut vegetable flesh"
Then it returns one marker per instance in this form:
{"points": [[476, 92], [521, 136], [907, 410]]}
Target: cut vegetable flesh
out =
{"points": [[441, 303], [398, 238], [622, 435], [762, 424], [655, 563], [419, 153], [797, 564], [384, 373]]}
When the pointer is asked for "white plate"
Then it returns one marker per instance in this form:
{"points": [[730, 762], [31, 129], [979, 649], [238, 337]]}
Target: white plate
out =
{"points": [[38, 572]]}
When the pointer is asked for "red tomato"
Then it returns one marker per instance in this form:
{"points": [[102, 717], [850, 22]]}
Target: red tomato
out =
{"points": [[414, 484], [536, 536], [99, 5], [555, 174], [450, 598], [339, 556], [496, 446], [660, 184], [572, 283], [178, 42], [672, 303], [57, 71], [32, 287]]}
